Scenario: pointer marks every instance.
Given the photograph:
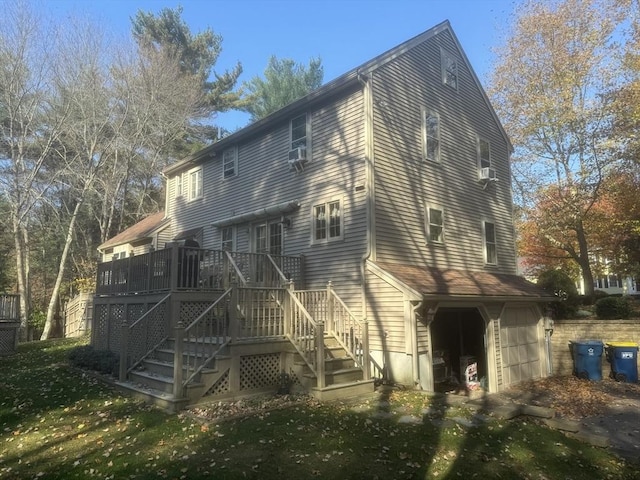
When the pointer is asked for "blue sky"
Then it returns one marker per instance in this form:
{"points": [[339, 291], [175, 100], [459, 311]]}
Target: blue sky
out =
{"points": [[343, 33]]}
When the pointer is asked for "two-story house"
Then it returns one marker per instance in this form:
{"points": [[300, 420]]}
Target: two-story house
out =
{"points": [[392, 182]]}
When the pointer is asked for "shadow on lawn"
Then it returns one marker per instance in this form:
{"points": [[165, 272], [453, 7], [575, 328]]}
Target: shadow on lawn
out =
{"points": [[120, 438]]}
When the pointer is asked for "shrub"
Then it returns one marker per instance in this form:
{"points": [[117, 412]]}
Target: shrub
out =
{"points": [[103, 361], [561, 285], [591, 299], [613, 307]]}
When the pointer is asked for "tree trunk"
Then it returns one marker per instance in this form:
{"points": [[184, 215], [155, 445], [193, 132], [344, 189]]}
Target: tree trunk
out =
{"points": [[51, 309], [583, 260], [22, 274]]}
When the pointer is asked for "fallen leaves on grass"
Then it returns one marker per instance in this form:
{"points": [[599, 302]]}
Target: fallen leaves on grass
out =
{"points": [[574, 397]]}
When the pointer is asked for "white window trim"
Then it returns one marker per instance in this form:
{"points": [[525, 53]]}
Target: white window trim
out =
{"points": [[425, 138], [445, 55], [234, 151], [179, 186], [485, 244], [307, 136], [233, 237], [479, 140], [427, 215], [191, 194], [328, 239]]}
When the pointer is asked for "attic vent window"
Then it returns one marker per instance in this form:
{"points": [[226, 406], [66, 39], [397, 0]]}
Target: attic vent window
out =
{"points": [[230, 162], [449, 70]]}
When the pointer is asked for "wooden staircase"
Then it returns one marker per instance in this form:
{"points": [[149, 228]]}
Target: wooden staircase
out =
{"points": [[343, 379], [153, 380], [248, 341]]}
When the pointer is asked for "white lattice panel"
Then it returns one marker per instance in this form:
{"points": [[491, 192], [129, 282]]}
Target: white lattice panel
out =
{"points": [[258, 371], [8, 339], [221, 386], [101, 327]]}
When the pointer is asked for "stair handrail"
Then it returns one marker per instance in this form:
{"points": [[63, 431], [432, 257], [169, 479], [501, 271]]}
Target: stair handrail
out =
{"points": [[236, 269], [125, 369], [201, 344], [349, 331], [306, 335], [281, 275]]}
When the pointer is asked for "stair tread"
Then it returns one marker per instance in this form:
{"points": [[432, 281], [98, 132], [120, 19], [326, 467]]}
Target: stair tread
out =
{"points": [[338, 386], [336, 372]]}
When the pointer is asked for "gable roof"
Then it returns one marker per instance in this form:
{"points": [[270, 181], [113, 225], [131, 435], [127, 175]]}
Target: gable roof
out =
{"points": [[435, 282], [347, 80], [140, 230]]}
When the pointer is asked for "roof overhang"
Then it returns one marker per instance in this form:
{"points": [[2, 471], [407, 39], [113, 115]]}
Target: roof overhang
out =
{"points": [[191, 233], [259, 214], [438, 285]]}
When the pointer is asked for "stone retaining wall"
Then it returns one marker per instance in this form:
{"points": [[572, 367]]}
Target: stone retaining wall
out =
{"points": [[566, 331]]}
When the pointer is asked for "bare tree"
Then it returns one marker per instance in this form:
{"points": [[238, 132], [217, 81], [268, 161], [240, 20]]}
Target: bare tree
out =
{"points": [[29, 127]]}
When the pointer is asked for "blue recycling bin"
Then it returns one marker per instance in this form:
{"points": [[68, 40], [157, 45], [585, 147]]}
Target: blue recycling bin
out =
{"points": [[623, 357], [587, 359]]}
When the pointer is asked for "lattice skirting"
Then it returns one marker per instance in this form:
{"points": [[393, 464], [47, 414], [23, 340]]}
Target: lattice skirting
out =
{"points": [[8, 338], [259, 371], [221, 387]]}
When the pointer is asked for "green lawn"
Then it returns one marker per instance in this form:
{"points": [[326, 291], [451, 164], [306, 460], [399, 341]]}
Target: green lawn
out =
{"points": [[58, 422]]}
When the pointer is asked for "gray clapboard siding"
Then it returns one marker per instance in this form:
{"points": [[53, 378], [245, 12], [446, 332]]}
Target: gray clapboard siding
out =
{"points": [[385, 313], [405, 182], [264, 179]]}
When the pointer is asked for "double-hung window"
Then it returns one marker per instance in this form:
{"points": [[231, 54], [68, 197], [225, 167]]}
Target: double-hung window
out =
{"points": [[449, 69], [435, 224], [431, 134], [490, 250], [227, 238], [298, 129], [484, 153], [230, 162], [327, 221], [195, 183]]}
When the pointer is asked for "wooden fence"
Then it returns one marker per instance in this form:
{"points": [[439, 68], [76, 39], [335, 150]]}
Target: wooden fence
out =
{"points": [[78, 315]]}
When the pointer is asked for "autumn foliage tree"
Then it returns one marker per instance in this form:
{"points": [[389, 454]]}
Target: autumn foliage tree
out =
{"points": [[549, 87], [612, 225]]}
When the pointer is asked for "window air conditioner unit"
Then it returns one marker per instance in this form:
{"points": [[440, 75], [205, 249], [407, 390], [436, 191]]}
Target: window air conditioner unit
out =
{"points": [[488, 174], [297, 158]]}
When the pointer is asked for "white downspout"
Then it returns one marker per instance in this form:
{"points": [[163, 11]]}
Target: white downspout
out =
{"points": [[414, 343], [369, 182]]}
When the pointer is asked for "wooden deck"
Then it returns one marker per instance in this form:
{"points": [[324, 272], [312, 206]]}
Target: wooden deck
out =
{"points": [[181, 268]]}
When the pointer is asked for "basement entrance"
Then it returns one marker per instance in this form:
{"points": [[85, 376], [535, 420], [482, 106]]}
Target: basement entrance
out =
{"points": [[458, 351]]}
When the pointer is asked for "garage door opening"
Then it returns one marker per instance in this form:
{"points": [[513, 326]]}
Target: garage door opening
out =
{"points": [[458, 350]]}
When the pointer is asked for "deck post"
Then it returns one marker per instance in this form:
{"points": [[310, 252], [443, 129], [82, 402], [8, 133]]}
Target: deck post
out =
{"points": [[124, 349], [366, 360], [233, 313], [320, 377], [287, 308], [330, 326], [174, 268], [178, 360]]}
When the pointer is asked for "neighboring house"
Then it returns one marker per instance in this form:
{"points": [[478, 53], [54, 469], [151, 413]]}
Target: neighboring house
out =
{"points": [[143, 237], [613, 285], [392, 182]]}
